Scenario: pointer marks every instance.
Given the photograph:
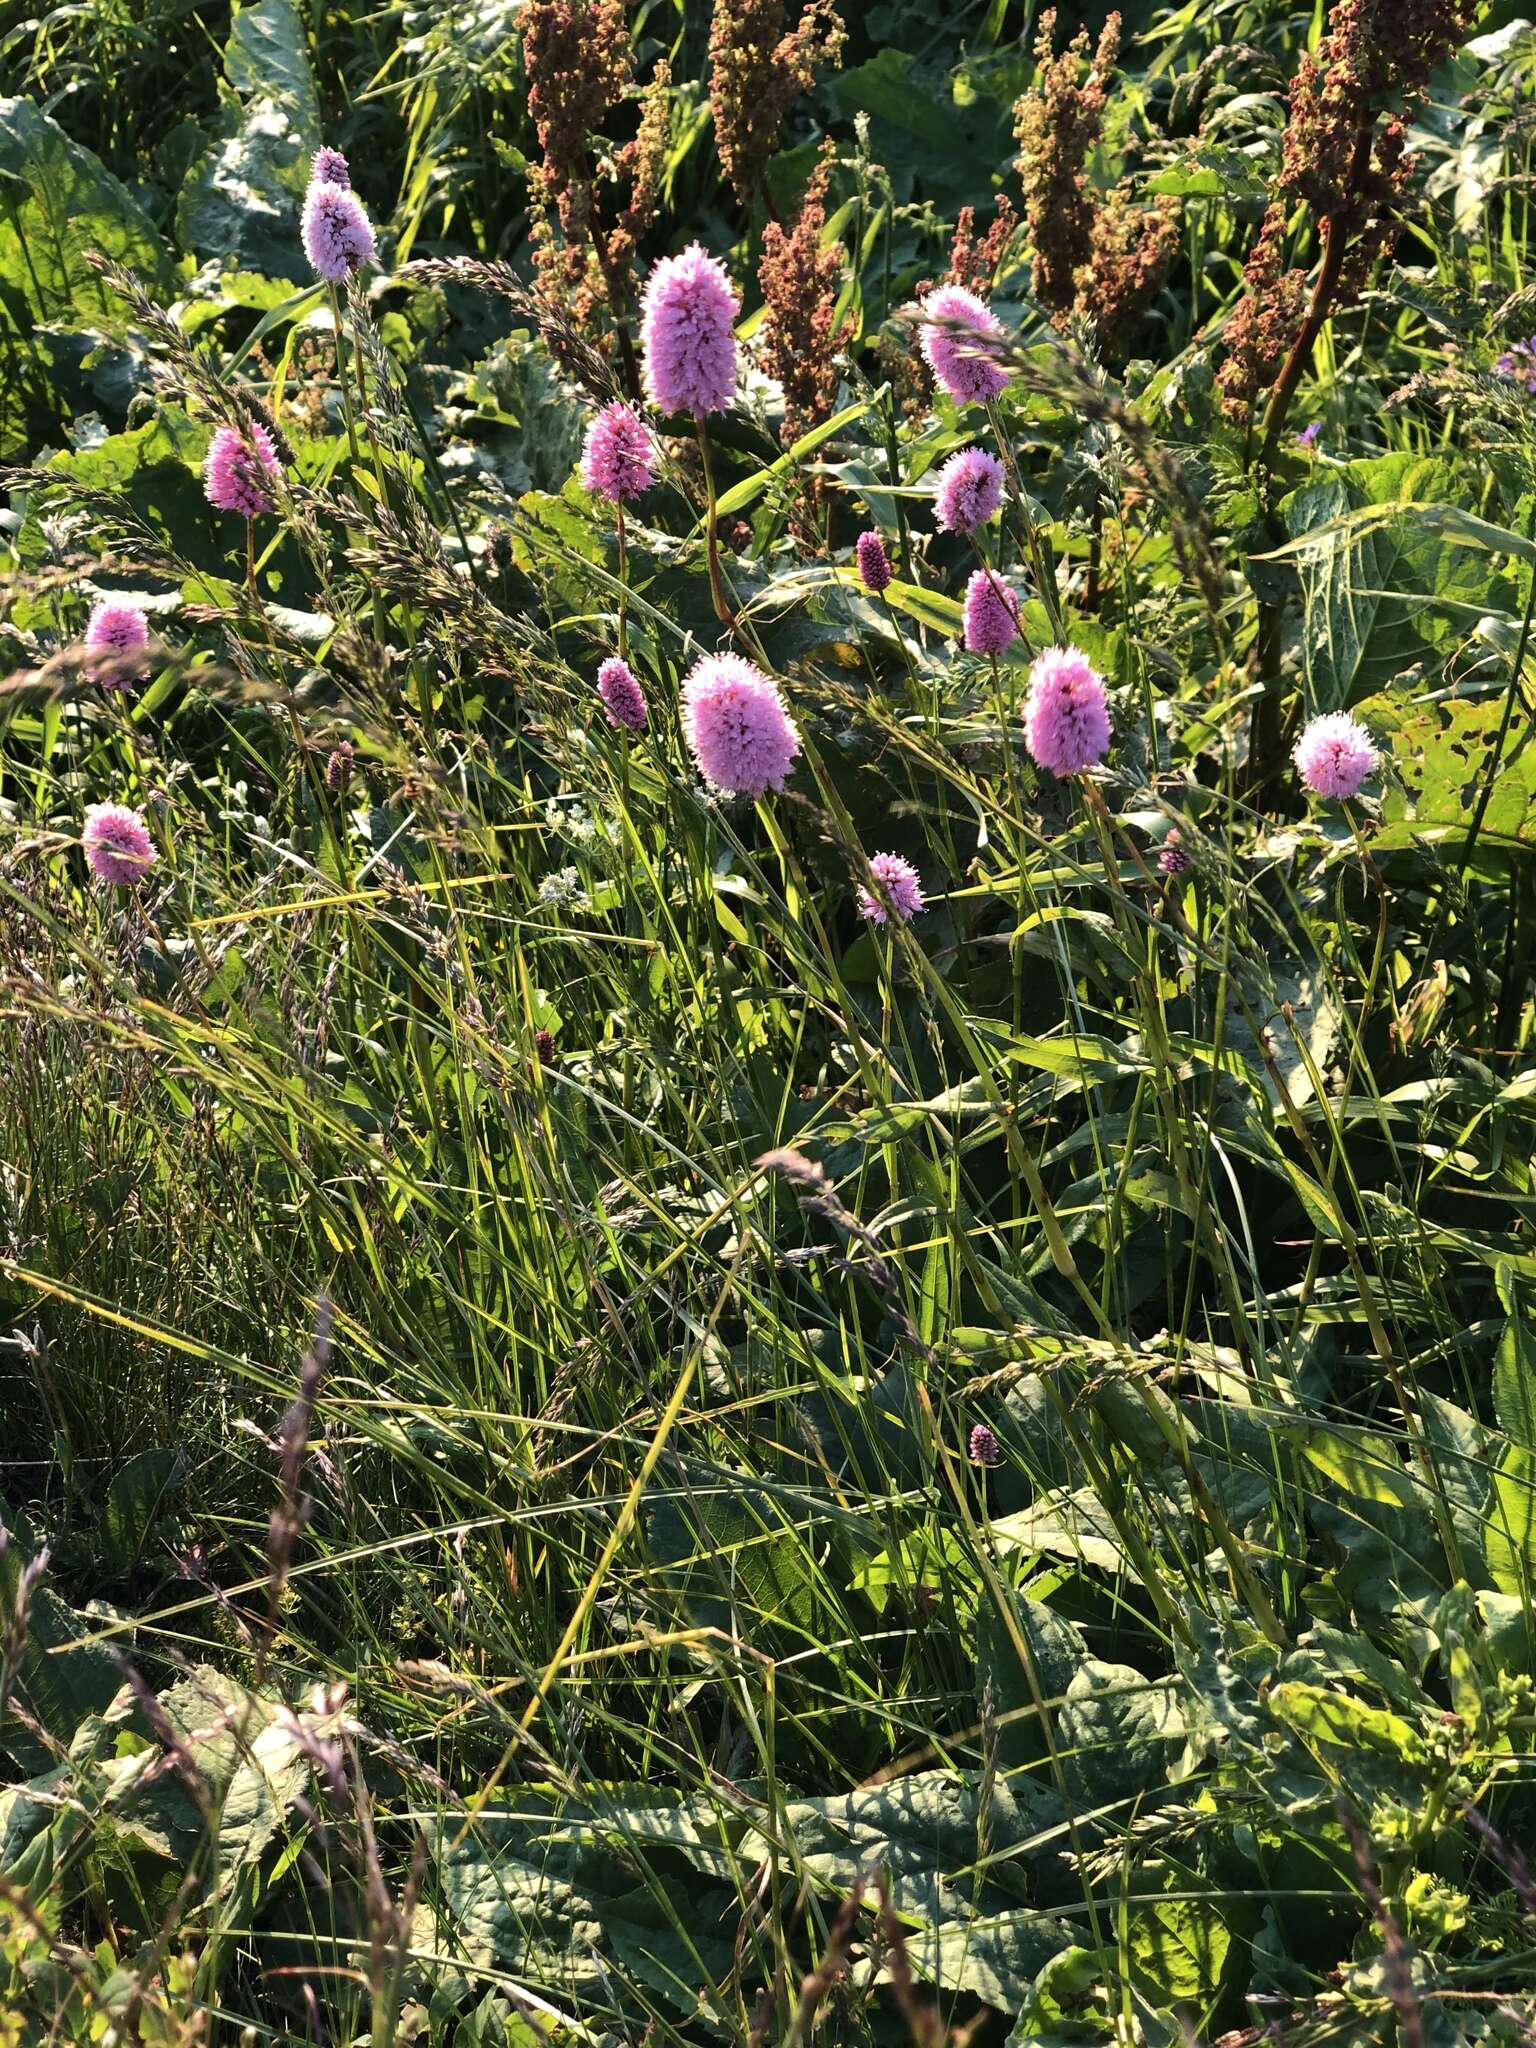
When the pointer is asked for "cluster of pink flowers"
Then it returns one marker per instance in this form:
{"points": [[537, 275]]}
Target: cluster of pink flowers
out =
{"points": [[618, 457], [118, 848], [240, 471], [899, 880], [1066, 712], [1334, 755], [961, 340], [688, 319], [1519, 362], [622, 698], [991, 614], [338, 237], [736, 726], [116, 637], [969, 491]]}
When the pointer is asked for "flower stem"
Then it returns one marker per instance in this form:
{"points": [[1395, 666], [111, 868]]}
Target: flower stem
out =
{"points": [[724, 610]]}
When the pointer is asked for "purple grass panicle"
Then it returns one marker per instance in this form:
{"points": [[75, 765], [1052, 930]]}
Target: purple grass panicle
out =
{"points": [[618, 457], [1173, 857], [117, 845], [687, 320], [737, 728], [991, 614], [874, 564], [240, 471], [969, 491], [116, 636], [901, 884], [623, 700], [337, 236], [961, 338], [1066, 713], [1334, 755]]}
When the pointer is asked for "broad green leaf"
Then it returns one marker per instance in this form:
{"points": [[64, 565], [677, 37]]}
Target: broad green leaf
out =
{"points": [[1514, 1380], [1327, 1719], [1382, 588], [134, 1500], [65, 203], [1213, 170], [1179, 1944], [1363, 1464], [241, 203], [1510, 1541], [1442, 756]]}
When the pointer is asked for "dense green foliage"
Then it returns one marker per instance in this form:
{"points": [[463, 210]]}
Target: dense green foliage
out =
{"points": [[504, 1262]]}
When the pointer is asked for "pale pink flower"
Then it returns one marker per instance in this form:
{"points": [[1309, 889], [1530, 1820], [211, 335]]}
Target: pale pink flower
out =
{"points": [[337, 236], [117, 845], [1066, 712], [623, 699], [1334, 754], [901, 885], [961, 338], [239, 472], [969, 490], [618, 458], [991, 614], [736, 726], [330, 167], [687, 317], [116, 636]]}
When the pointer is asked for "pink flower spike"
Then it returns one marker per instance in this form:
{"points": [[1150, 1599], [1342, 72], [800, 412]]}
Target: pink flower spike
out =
{"points": [[618, 459], [337, 236], [118, 848], [736, 726], [239, 474], [970, 489], [960, 340], [874, 564], [991, 614], [1066, 712], [116, 636], [687, 316], [330, 167], [901, 885], [1334, 755], [623, 700]]}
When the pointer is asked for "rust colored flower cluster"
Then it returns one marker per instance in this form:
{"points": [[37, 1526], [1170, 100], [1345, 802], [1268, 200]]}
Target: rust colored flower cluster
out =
{"points": [[1100, 257], [590, 200], [758, 68], [973, 264], [1266, 320], [799, 280], [1345, 154]]}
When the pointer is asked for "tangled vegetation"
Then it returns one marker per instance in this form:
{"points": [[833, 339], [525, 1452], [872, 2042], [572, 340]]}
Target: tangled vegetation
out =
{"points": [[768, 942]]}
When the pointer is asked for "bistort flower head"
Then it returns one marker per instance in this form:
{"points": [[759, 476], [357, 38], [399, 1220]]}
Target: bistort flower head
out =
{"points": [[118, 848], [970, 489], [618, 458], [623, 699], [736, 726], [1173, 857], [116, 636], [1334, 754], [1066, 713], [960, 340], [991, 614], [874, 564], [688, 310], [239, 472], [337, 236], [330, 167], [901, 885], [984, 1447]]}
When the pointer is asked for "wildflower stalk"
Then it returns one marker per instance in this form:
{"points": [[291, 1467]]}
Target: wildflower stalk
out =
{"points": [[618, 513], [724, 610]]}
